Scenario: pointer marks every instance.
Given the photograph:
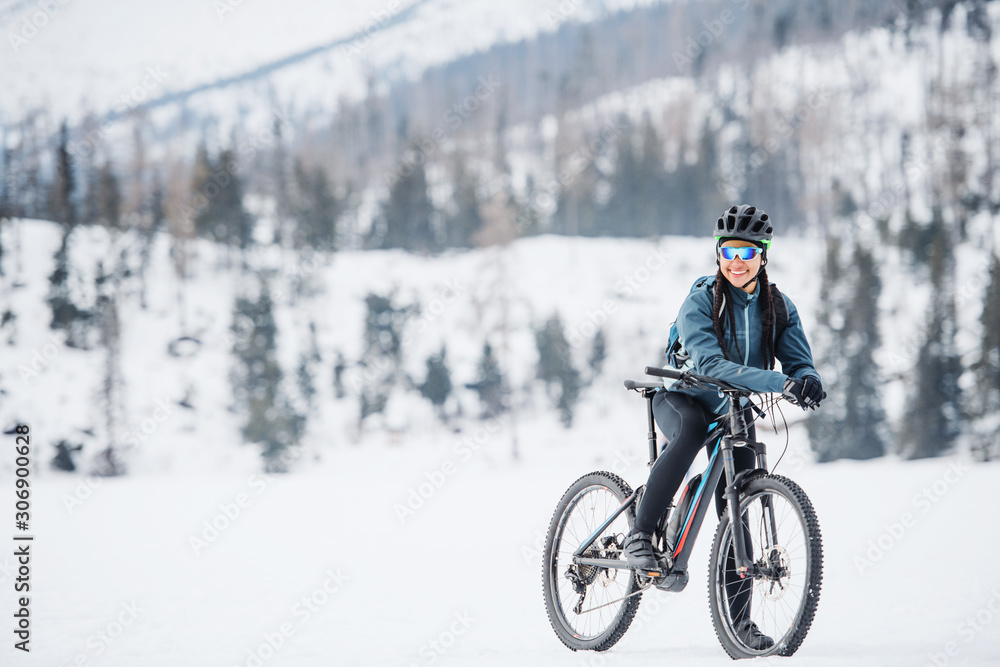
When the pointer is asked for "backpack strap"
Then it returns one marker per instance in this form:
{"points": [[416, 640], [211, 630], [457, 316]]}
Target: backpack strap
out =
{"points": [[780, 312]]}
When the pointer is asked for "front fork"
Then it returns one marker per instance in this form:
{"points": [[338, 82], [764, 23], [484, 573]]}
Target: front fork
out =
{"points": [[744, 551]]}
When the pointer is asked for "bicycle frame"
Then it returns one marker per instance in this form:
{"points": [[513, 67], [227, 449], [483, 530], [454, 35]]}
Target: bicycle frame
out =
{"points": [[727, 434]]}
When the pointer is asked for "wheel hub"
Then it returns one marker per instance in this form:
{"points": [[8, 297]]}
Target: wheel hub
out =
{"points": [[774, 565]]}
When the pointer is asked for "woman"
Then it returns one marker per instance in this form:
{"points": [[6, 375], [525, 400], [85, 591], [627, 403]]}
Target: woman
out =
{"points": [[727, 328]]}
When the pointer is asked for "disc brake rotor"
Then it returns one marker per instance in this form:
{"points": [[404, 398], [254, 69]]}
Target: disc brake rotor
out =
{"points": [[776, 560]]}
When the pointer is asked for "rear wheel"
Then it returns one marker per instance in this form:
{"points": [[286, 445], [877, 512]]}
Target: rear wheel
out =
{"points": [[787, 552], [590, 608]]}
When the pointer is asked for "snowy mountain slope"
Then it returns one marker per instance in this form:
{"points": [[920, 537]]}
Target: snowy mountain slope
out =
{"points": [[631, 288], [86, 56]]}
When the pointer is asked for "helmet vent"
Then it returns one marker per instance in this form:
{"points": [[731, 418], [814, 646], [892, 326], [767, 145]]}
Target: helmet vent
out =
{"points": [[745, 222]]}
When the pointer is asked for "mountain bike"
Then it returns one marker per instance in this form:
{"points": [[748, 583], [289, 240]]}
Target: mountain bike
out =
{"points": [[769, 573]]}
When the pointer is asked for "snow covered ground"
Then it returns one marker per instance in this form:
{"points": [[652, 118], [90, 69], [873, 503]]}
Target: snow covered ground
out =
{"points": [[321, 565], [423, 546]]}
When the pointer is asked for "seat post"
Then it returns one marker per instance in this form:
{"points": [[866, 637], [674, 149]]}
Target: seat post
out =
{"points": [[651, 433]]}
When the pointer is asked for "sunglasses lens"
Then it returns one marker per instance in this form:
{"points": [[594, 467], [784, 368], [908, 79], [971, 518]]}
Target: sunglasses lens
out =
{"points": [[746, 254]]}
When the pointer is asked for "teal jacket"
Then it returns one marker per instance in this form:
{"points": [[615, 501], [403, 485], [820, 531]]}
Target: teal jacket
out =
{"points": [[747, 368]]}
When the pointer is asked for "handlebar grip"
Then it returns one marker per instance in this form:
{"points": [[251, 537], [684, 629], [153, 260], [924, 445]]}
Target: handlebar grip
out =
{"points": [[663, 372]]}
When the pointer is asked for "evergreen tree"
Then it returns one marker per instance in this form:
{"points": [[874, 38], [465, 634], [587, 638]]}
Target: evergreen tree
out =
{"points": [[284, 208], [157, 216], [218, 193], [61, 206], [66, 316], [529, 211], [405, 220], [489, 383], [339, 366], [304, 376], [576, 208], [317, 210], [257, 382], [555, 368], [467, 220], [851, 422], [108, 462], [640, 201], [63, 460], [304, 373], [383, 352], [598, 353], [8, 187], [984, 400], [436, 386], [933, 416], [109, 198]]}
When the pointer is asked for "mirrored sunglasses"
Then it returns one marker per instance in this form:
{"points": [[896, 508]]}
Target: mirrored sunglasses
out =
{"points": [[746, 254]]}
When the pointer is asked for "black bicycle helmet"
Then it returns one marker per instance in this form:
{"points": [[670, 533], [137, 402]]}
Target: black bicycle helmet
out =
{"points": [[744, 222]]}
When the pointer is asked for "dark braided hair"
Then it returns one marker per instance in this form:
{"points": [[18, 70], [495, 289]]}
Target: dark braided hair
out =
{"points": [[722, 299]]}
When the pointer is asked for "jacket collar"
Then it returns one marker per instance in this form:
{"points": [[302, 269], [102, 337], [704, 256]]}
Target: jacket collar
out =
{"points": [[741, 298]]}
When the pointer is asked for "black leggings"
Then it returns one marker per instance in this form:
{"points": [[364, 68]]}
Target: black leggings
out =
{"points": [[684, 424]]}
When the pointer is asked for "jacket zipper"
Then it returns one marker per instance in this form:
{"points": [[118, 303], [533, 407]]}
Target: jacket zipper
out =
{"points": [[746, 334]]}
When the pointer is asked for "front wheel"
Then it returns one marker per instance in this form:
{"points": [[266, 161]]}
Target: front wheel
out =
{"points": [[770, 612], [589, 607]]}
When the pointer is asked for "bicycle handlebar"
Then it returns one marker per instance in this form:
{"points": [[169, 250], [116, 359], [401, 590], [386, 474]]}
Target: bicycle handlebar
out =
{"points": [[663, 372], [697, 380]]}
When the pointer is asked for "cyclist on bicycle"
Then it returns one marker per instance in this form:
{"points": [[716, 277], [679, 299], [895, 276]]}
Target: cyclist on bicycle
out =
{"points": [[727, 328]]}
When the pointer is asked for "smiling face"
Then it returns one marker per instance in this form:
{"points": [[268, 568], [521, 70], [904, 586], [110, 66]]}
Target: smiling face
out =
{"points": [[737, 271]]}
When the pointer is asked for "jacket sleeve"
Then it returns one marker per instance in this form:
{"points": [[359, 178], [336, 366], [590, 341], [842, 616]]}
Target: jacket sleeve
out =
{"points": [[792, 348], [694, 327]]}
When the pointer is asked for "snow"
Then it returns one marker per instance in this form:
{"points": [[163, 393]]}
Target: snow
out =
{"points": [[421, 544], [69, 59], [381, 591]]}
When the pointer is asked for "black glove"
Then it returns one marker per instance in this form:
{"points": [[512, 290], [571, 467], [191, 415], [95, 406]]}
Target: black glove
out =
{"points": [[812, 391], [805, 393]]}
